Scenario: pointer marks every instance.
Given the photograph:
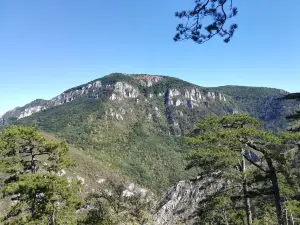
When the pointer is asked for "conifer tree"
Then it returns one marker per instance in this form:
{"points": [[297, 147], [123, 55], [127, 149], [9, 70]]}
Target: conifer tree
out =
{"points": [[222, 143], [205, 20], [38, 195]]}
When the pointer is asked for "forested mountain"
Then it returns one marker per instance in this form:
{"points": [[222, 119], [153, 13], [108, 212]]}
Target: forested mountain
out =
{"points": [[127, 137], [134, 124]]}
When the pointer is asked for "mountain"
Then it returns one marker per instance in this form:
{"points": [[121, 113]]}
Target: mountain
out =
{"points": [[134, 124]]}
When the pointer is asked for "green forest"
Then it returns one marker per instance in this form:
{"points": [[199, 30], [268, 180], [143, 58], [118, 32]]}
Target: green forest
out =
{"points": [[215, 140], [256, 171]]}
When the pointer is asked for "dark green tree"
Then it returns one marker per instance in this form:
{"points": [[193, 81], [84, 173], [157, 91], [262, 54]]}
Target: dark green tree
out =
{"points": [[223, 160], [207, 19], [38, 195], [293, 206], [222, 143], [126, 206]]}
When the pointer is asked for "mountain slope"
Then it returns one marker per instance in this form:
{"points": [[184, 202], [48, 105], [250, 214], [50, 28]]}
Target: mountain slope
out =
{"points": [[262, 103], [134, 124]]}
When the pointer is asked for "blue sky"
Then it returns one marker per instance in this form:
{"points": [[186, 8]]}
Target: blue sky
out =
{"points": [[51, 45]]}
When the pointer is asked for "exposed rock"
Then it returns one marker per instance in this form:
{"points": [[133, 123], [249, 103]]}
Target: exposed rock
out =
{"points": [[131, 187], [211, 95], [108, 192], [198, 99], [181, 202], [141, 191], [113, 97], [235, 111], [149, 116], [69, 179], [174, 92], [157, 112], [2, 122], [127, 193], [81, 179], [121, 90], [133, 190], [101, 181], [114, 114], [125, 90], [193, 97], [193, 93], [177, 102], [61, 173], [63, 98], [30, 111], [119, 117], [148, 80], [97, 84]]}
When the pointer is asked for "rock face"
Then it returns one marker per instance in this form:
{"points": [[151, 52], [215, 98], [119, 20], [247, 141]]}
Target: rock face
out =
{"points": [[190, 97], [180, 204], [190, 101], [30, 111], [124, 90], [148, 80], [70, 95], [133, 190], [2, 122]]}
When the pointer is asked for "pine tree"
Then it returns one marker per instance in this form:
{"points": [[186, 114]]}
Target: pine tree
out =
{"points": [[31, 162], [222, 143], [126, 206], [293, 206], [206, 20]]}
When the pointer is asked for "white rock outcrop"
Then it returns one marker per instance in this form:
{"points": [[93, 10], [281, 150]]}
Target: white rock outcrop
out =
{"points": [[30, 111], [124, 90], [148, 80], [193, 97], [181, 202]]}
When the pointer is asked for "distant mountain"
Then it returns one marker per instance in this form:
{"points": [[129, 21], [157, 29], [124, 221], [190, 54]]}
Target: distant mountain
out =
{"points": [[134, 124]]}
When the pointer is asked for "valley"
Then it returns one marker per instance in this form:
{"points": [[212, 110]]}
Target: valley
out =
{"points": [[131, 128]]}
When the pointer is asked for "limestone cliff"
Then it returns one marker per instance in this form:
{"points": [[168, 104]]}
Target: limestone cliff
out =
{"points": [[179, 205], [189, 96], [184, 96], [133, 124]]}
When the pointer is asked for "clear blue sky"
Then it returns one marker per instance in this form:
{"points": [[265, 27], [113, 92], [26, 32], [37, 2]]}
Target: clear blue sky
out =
{"points": [[51, 45]]}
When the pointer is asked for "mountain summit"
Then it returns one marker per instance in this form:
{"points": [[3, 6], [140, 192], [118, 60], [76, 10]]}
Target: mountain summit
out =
{"points": [[134, 123], [118, 87]]}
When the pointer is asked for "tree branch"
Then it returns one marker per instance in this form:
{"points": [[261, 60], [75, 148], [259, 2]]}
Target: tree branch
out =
{"points": [[255, 164]]}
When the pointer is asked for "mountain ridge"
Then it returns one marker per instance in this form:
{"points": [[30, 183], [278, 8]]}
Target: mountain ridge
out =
{"points": [[135, 124], [12, 112], [144, 80]]}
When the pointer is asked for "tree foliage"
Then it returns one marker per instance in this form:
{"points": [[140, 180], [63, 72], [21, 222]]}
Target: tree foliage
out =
{"points": [[126, 205], [220, 144], [38, 195], [207, 19]]}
